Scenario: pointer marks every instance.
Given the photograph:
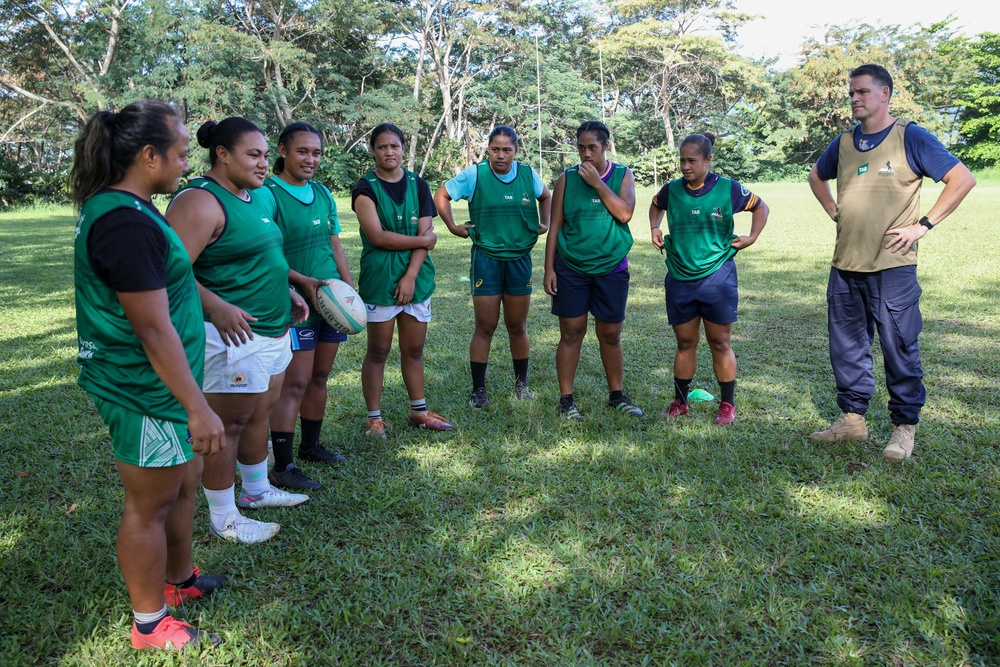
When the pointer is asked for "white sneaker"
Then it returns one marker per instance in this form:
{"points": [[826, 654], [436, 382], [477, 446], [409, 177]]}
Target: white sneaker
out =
{"points": [[241, 529], [273, 497]]}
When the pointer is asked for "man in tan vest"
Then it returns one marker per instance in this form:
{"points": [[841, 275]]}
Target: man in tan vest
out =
{"points": [[879, 166]]}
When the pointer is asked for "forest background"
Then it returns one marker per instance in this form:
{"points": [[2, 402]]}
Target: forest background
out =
{"points": [[447, 72]]}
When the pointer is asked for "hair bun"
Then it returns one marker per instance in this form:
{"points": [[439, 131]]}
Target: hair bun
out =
{"points": [[205, 133], [710, 137]]}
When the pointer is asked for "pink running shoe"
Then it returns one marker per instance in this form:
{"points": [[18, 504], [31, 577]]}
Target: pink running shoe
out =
{"points": [[727, 413], [173, 635], [429, 421], [675, 409]]}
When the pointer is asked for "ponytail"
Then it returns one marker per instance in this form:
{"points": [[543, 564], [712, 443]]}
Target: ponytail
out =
{"points": [[226, 133], [286, 137], [110, 142]]}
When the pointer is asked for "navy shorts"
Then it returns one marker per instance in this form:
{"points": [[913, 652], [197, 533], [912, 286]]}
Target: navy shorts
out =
{"points": [[713, 298], [577, 294], [493, 277], [307, 337]]}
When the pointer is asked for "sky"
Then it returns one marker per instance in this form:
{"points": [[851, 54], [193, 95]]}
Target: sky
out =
{"points": [[782, 31]]}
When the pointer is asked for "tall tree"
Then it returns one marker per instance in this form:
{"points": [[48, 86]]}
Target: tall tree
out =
{"points": [[980, 104]]}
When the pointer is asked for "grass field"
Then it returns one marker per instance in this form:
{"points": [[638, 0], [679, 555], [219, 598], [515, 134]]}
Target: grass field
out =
{"points": [[523, 540]]}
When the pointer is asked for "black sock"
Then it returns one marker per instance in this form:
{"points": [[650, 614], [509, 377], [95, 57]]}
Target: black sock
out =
{"points": [[310, 433], [187, 583], [728, 392], [147, 628], [616, 396], [478, 374], [681, 389], [521, 371], [281, 443], [566, 400]]}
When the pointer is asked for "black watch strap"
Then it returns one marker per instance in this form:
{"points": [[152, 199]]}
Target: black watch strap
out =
{"points": [[925, 222]]}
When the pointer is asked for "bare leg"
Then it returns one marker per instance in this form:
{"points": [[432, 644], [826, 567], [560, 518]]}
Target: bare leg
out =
{"points": [[723, 358], [314, 401], [293, 388], [412, 334], [373, 366], [150, 496], [686, 357], [572, 331], [487, 314], [515, 318], [609, 335]]}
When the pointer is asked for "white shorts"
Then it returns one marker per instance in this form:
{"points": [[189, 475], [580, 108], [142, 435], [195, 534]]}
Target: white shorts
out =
{"points": [[419, 311], [246, 369]]}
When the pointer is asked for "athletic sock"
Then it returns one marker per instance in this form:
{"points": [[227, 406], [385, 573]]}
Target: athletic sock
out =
{"points": [[728, 390], [521, 371], [419, 405], [616, 395], [221, 503], [187, 582], [255, 478], [146, 623], [681, 389], [478, 369], [281, 443], [310, 433], [566, 400], [374, 414]]}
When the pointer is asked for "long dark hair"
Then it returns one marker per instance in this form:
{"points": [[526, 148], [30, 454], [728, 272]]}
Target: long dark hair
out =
{"points": [[110, 142], [287, 135], [226, 133]]}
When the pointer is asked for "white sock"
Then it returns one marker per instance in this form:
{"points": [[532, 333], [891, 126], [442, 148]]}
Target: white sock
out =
{"points": [[221, 504], [149, 618], [255, 478], [419, 405]]}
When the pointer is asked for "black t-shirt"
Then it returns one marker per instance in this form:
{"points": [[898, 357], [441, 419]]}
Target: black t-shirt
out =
{"points": [[128, 251], [397, 192]]}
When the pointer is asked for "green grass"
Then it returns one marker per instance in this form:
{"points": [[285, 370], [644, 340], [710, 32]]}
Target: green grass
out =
{"points": [[523, 540]]}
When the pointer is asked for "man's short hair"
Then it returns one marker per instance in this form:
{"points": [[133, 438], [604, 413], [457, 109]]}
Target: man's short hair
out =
{"points": [[879, 75]]}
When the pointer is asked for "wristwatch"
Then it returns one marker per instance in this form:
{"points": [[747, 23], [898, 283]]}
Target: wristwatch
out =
{"points": [[925, 222]]}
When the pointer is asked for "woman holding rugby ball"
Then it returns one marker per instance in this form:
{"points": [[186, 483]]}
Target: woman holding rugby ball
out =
{"points": [[308, 220], [505, 226], [226, 220], [586, 263], [142, 347], [395, 211], [701, 284]]}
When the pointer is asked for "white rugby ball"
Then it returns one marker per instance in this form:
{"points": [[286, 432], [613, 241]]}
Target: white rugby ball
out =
{"points": [[341, 307]]}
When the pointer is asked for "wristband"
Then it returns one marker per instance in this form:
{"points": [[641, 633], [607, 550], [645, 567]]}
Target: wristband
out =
{"points": [[926, 223]]}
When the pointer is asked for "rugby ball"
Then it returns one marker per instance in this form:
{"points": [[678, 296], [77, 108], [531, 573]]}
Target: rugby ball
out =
{"points": [[341, 307]]}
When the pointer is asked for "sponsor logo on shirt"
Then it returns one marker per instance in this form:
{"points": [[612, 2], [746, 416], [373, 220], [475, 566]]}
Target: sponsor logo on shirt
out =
{"points": [[744, 191], [239, 379], [863, 169], [887, 170], [695, 212], [524, 198], [508, 197], [266, 221], [87, 349], [595, 200], [316, 222], [716, 214]]}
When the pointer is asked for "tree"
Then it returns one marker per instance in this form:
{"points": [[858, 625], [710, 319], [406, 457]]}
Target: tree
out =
{"points": [[980, 115]]}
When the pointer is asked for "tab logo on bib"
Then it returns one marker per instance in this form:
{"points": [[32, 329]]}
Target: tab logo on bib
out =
{"points": [[508, 197], [863, 169]]}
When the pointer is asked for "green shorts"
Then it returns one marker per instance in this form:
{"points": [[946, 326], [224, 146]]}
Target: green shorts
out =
{"points": [[490, 277], [144, 441]]}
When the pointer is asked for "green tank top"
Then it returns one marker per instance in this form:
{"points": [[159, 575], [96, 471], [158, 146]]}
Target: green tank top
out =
{"points": [[381, 269], [113, 364], [504, 214], [246, 265], [306, 230], [701, 230], [591, 242]]}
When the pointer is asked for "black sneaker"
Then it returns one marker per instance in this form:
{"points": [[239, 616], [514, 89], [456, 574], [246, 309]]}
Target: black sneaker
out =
{"points": [[570, 412], [318, 452], [623, 404], [479, 399], [521, 392], [292, 478]]}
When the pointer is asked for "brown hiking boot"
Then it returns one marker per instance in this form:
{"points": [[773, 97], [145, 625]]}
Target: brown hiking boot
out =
{"points": [[850, 426], [900, 443]]}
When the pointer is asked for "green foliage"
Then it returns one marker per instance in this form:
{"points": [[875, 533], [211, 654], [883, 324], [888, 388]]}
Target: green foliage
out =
{"points": [[980, 115]]}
